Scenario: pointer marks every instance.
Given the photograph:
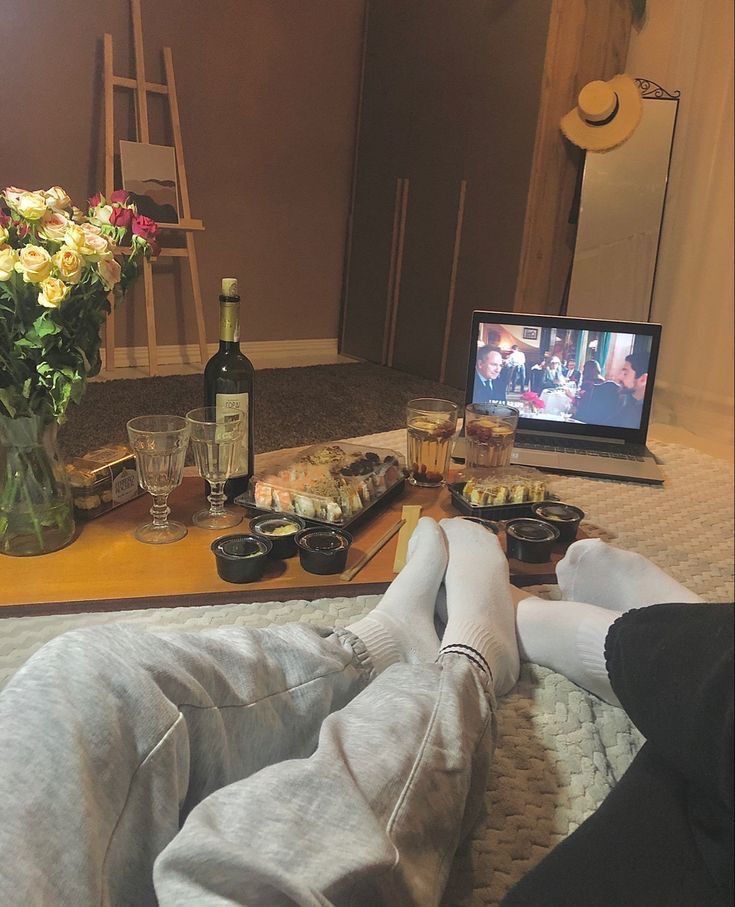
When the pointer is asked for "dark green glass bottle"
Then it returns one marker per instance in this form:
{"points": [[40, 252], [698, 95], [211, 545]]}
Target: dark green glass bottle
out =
{"points": [[228, 382]]}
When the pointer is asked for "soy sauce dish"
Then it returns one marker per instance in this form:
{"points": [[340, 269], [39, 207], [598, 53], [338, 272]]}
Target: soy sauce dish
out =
{"points": [[564, 517], [530, 540], [241, 558], [323, 550], [280, 531]]}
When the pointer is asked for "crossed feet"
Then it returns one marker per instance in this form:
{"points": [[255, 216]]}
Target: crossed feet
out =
{"points": [[456, 573]]}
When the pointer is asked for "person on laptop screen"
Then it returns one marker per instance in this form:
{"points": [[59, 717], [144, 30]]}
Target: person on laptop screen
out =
{"points": [[633, 377], [491, 378]]}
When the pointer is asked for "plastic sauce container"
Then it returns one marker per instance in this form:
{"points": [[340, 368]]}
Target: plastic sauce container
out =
{"points": [[323, 550], [530, 540], [241, 558]]}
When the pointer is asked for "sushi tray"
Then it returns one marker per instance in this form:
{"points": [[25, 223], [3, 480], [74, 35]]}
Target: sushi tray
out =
{"points": [[334, 485], [503, 494]]}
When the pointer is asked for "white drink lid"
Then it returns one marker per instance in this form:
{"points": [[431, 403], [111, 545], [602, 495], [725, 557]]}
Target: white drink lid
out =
{"points": [[229, 286]]}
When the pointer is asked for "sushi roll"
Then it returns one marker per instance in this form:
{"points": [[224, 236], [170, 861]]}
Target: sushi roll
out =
{"points": [[334, 512], [263, 495], [537, 491], [518, 492], [499, 495], [304, 506]]}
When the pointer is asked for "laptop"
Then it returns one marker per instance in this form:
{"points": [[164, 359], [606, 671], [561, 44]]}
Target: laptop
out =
{"points": [[583, 388]]}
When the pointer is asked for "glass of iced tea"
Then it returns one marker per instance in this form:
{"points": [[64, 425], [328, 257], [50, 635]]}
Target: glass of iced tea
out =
{"points": [[490, 429], [430, 427]]}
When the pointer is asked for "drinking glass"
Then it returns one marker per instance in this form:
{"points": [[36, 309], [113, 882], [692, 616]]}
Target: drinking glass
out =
{"points": [[216, 437], [430, 427], [490, 429], [159, 444]]}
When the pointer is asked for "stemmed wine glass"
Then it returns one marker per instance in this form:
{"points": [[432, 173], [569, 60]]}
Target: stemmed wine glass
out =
{"points": [[216, 438], [159, 444]]}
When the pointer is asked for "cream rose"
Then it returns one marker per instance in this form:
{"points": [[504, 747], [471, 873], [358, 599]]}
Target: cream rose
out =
{"points": [[101, 214], [53, 226], [110, 272], [74, 237], [3, 235], [12, 195], [57, 198], [69, 264], [8, 261], [34, 263], [96, 246], [31, 205], [53, 293]]}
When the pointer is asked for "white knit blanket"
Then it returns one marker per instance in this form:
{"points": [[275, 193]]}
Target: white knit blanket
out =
{"points": [[560, 750]]}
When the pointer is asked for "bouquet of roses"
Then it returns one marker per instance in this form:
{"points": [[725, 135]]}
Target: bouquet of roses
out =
{"points": [[59, 278]]}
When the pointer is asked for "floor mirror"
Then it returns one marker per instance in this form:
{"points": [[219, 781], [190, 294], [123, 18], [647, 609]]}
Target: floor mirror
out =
{"points": [[621, 209]]}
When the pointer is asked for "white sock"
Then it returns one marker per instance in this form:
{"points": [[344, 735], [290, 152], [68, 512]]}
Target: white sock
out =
{"points": [[479, 605], [401, 628], [568, 637], [595, 572]]}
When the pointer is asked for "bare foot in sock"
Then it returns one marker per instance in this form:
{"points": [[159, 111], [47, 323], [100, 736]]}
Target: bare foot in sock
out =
{"points": [[480, 613], [597, 573], [401, 628]]}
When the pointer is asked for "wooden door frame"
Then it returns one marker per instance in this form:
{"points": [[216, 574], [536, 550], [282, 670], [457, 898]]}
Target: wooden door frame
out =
{"points": [[585, 41]]}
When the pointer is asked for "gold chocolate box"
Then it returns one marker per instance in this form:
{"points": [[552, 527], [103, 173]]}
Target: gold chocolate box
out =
{"points": [[103, 479]]}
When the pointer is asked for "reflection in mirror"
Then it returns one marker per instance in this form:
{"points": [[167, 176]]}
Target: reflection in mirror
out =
{"points": [[621, 211]]}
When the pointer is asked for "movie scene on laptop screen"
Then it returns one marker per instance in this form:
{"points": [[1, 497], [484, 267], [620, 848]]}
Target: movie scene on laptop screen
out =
{"points": [[562, 375]]}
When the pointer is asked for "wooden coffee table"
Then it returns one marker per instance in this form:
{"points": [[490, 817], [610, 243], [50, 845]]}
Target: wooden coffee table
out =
{"points": [[106, 568]]}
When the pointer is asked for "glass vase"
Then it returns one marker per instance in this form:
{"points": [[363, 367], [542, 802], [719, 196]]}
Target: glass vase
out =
{"points": [[36, 511]]}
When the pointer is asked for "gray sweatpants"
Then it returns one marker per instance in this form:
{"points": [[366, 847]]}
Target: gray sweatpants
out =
{"points": [[236, 766]]}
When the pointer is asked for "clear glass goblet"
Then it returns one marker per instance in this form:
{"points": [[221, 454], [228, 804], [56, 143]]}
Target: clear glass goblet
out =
{"points": [[216, 437], [159, 444]]}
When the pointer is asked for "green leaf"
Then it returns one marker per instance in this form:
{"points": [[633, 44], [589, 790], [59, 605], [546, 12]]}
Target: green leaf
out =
{"points": [[43, 325], [6, 398]]}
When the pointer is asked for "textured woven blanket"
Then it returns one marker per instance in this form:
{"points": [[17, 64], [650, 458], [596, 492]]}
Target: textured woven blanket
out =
{"points": [[560, 750]]}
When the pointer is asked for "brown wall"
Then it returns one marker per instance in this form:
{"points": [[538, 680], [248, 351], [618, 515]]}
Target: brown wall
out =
{"points": [[267, 95]]}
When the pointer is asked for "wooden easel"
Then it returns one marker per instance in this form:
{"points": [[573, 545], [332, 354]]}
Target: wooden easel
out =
{"points": [[187, 224]]}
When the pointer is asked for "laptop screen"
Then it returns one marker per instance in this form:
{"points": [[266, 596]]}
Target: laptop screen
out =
{"points": [[567, 375]]}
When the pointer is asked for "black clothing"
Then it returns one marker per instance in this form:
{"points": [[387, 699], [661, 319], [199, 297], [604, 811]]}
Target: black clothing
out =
{"points": [[664, 835]]}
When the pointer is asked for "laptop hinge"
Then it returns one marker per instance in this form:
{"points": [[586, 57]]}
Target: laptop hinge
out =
{"points": [[545, 435]]}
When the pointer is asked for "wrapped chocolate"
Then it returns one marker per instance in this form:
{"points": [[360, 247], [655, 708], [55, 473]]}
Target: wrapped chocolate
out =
{"points": [[102, 479]]}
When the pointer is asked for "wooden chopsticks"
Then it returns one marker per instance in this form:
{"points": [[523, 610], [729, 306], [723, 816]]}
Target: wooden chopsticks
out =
{"points": [[371, 552]]}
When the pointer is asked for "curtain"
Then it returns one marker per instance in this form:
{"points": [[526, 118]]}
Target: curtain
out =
{"points": [[687, 45]]}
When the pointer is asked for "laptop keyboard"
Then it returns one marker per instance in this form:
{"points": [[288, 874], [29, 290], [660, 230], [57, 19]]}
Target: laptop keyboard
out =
{"points": [[577, 446]]}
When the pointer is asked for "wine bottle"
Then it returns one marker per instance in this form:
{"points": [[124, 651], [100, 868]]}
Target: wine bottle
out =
{"points": [[228, 383]]}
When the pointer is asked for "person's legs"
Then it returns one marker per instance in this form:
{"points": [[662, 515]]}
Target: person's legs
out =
{"points": [[109, 737], [664, 835], [598, 582], [376, 814], [373, 817]]}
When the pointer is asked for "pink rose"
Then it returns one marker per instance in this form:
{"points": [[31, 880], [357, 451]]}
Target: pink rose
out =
{"points": [[144, 226], [95, 200], [119, 197], [122, 217]]}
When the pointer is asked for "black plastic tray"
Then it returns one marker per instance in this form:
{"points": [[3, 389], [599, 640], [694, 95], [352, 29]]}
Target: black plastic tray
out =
{"points": [[490, 511], [244, 500]]}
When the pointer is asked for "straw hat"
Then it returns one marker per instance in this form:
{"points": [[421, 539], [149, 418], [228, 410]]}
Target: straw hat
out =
{"points": [[606, 114]]}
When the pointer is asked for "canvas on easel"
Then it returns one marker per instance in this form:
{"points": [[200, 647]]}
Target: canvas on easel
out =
{"points": [[149, 175], [141, 88]]}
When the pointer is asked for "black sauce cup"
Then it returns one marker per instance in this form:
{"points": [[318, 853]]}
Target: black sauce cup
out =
{"points": [[323, 550], [530, 540], [564, 517], [241, 558], [282, 545]]}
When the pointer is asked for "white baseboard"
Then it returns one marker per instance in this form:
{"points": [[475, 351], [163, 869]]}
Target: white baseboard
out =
{"points": [[263, 354]]}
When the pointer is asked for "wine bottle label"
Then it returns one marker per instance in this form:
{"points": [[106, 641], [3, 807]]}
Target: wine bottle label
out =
{"points": [[229, 321], [237, 403]]}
